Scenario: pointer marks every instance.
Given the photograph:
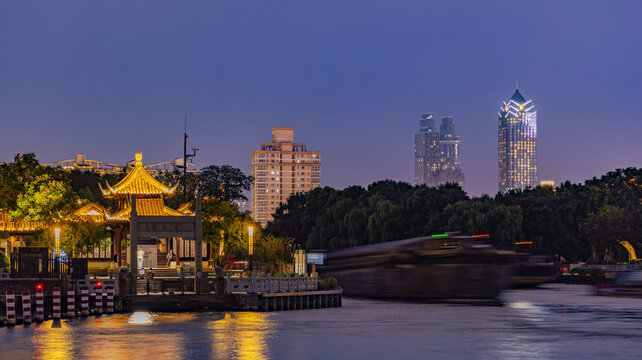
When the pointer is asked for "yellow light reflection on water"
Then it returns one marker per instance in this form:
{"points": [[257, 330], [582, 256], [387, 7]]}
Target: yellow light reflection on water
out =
{"points": [[141, 318], [53, 340], [242, 335]]}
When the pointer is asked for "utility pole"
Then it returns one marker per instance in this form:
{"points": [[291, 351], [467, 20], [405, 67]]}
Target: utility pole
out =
{"points": [[186, 156]]}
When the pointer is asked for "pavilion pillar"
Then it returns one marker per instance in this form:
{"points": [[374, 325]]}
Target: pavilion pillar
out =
{"points": [[198, 243], [10, 251], [133, 243], [177, 250], [119, 245]]}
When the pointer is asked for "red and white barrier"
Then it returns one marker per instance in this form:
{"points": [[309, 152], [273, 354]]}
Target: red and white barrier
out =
{"points": [[99, 298], [40, 303], [26, 307], [84, 300], [11, 307], [71, 302], [110, 299], [56, 303]]}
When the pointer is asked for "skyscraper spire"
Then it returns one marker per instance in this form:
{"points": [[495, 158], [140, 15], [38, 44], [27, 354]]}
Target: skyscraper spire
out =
{"points": [[516, 84]]}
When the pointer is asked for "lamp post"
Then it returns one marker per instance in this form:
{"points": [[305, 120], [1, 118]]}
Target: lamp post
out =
{"points": [[221, 246], [250, 234], [57, 236]]}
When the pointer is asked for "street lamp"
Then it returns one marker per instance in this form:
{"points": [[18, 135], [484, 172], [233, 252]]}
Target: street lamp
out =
{"points": [[250, 234], [57, 236], [221, 246]]}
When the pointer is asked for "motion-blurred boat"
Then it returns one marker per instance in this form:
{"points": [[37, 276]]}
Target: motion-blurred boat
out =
{"points": [[441, 267], [626, 284], [533, 270]]}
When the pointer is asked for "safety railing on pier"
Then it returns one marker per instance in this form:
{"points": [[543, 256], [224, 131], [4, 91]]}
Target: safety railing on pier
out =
{"points": [[268, 284]]}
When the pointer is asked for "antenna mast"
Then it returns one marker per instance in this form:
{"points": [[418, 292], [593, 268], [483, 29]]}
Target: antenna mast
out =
{"points": [[186, 157]]}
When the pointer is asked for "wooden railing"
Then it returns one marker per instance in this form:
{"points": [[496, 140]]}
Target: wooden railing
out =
{"points": [[267, 284]]}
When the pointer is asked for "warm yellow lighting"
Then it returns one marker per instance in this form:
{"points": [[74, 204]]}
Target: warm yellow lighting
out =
{"points": [[221, 247], [57, 237], [250, 233]]}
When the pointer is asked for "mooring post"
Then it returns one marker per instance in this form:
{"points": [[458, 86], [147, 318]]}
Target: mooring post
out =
{"points": [[40, 303], [11, 307], [26, 307], [71, 302]]}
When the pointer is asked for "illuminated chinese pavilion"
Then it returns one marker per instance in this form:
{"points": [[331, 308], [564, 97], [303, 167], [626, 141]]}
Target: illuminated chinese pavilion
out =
{"points": [[150, 194]]}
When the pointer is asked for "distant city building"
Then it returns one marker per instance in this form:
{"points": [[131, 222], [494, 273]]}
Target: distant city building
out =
{"points": [[517, 144], [80, 162], [550, 183], [242, 205], [437, 158], [281, 168], [450, 163]]}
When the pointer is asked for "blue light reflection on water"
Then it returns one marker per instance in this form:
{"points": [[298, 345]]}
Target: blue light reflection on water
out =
{"points": [[556, 322]]}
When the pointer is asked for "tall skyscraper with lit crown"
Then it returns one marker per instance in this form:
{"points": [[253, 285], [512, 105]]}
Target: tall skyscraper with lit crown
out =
{"points": [[517, 145]]}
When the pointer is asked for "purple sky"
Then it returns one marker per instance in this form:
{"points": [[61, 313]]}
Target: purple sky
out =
{"points": [[112, 78]]}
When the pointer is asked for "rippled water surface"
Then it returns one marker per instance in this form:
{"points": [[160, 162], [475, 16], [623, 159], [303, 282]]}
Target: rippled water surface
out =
{"points": [[556, 322]]}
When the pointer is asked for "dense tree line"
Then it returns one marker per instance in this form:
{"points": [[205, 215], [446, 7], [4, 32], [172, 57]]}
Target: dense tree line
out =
{"points": [[574, 221]]}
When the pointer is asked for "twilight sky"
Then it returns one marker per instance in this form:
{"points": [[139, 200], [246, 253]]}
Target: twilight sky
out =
{"points": [[112, 78]]}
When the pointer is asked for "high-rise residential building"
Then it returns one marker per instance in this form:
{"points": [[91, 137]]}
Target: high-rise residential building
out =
{"points": [[450, 166], [517, 146], [427, 152], [281, 168], [437, 153]]}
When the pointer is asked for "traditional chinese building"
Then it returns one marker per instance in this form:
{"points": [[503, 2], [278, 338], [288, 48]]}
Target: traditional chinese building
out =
{"points": [[150, 195], [150, 201]]}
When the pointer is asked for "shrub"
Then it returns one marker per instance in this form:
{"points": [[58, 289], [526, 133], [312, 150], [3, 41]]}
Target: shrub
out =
{"points": [[4, 261], [328, 283]]}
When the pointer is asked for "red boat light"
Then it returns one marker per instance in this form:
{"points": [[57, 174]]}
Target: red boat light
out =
{"points": [[99, 284], [39, 286]]}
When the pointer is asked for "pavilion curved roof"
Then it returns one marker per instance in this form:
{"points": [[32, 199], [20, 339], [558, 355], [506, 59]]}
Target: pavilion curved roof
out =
{"points": [[19, 227], [138, 182], [91, 212], [145, 207]]}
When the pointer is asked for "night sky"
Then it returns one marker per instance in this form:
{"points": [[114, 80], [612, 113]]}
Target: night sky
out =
{"points": [[112, 78]]}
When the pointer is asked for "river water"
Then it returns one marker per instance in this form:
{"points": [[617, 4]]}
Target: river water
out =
{"points": [[554, 322]]}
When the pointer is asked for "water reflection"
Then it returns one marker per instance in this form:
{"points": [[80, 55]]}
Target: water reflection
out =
{"points": [[52, 340], [141, 318], [242, 335]]}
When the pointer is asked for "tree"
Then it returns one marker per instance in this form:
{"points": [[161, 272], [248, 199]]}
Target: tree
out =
{"points": [[223, 182], [14, 177], [44, 199], [4, 261], [276, 251], [604, 229], [76, 236], [219, 215]]}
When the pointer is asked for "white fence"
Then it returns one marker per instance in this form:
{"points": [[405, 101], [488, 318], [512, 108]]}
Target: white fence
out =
{"points": [[271, 284]]}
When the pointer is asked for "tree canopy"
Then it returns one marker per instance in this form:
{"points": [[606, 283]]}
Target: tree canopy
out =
{"points": [[575, 221]]}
